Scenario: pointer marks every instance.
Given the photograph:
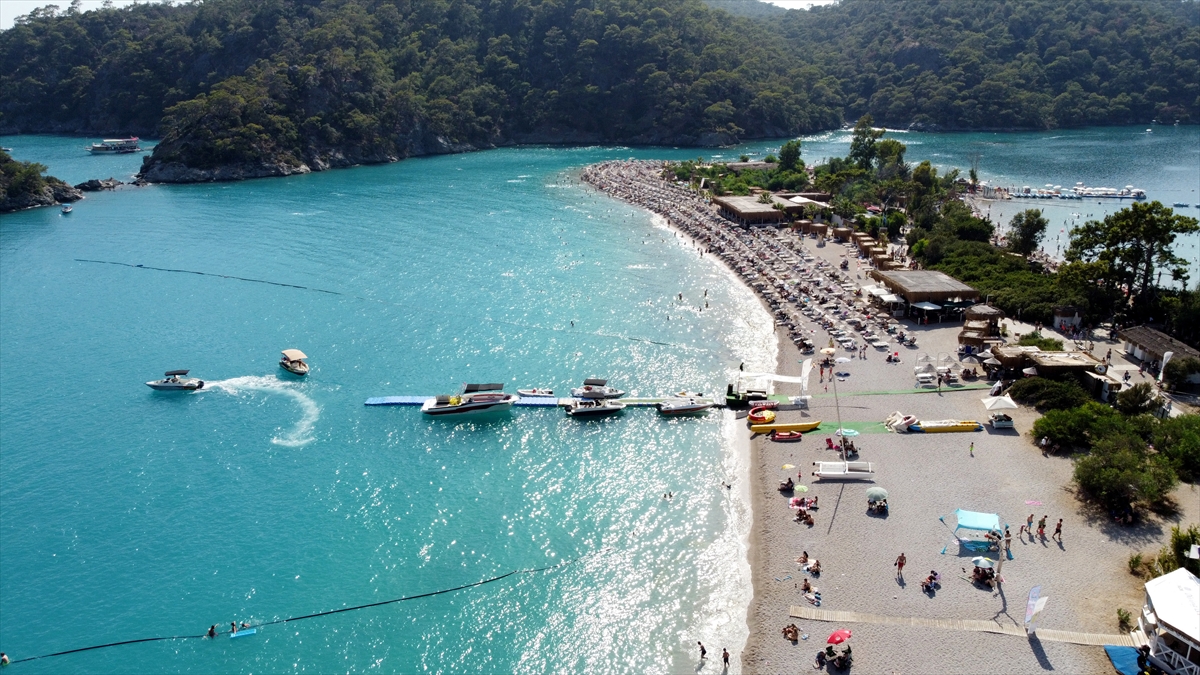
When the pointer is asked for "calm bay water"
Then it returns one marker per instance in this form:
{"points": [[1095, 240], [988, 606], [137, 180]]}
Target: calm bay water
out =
{"points": [[125, 513]]}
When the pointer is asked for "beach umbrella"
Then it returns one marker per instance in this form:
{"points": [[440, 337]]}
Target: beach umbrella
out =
{"points": [[789, 466], [841, 359], [829, 351], [993, 361], [800, 488], [839, 636], [848, 433], [1031, 371], [980, 561], [876, 493], [999, 403]]}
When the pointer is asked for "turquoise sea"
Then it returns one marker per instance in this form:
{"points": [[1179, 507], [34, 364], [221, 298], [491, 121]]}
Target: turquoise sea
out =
{"points": [[126, 513]]}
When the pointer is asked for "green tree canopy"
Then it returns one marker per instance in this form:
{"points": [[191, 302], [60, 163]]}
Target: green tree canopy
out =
{"points": [[1026, 230]]}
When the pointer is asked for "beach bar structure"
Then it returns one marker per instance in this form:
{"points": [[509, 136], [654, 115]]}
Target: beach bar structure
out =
{"points": [[750, 211], [981, 326], [927, 290], [1171, 622]]}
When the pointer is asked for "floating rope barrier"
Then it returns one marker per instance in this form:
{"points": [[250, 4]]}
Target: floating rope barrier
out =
{"points": [[406, 598], [386, 302]]}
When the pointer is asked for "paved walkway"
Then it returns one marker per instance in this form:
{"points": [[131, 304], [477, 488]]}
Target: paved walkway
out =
{"points": [[1044, 634]]}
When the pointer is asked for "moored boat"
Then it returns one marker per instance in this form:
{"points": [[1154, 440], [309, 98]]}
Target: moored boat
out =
{"points": [[683, 406], [786, 436], [67, 208], [475, 398], [292, 360], [536, 392], [586, 407], [596, 388], [176, 380], [738, 397]]}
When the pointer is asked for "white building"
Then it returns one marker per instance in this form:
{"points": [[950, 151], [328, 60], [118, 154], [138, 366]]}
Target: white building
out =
{"points": [[1171, 621]]}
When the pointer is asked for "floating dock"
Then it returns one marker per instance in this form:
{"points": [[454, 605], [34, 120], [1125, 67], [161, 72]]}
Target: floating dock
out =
{"points": [[524, 401]]}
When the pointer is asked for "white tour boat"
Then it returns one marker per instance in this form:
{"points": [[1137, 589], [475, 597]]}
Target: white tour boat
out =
{"points": [[115, 146], [536, 392]]}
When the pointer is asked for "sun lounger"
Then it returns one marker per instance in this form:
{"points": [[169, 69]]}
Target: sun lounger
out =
{"points": [[844, 470]]}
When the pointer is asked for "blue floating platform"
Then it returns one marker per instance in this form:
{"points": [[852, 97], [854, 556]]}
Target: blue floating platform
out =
{"points": [[525, 401]]}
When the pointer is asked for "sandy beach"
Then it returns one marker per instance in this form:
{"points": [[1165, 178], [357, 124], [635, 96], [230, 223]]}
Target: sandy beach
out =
{"points": [[928, 476]]}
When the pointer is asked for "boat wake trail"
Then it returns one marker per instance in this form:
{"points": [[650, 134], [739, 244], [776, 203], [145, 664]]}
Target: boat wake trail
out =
{"points": [[298, 435]]}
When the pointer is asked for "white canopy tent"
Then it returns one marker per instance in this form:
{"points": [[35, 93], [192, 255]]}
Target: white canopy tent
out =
{"points": [[926, 305]]}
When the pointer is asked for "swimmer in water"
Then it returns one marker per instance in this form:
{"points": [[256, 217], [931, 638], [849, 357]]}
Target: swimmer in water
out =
{"points": [[233, 628], [212, 631]]}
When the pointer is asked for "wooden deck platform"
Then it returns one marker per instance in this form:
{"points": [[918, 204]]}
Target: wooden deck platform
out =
{"points": [[978, 626]]}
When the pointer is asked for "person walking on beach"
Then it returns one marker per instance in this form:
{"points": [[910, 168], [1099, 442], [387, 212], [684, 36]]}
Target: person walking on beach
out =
{"points": [[1027, 527], [1058, 531], [1007, 539], [703, 651], [1042, 527], [725, 656], [972, 448], [900, 566]]}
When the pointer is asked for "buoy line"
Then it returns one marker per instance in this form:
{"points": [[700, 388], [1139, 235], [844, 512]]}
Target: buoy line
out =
{"points": [[389, 302], [406, 598]]}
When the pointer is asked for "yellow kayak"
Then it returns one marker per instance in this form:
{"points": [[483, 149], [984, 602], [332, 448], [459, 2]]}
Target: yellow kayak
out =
{"points": [[945, 426], [784, 426]]}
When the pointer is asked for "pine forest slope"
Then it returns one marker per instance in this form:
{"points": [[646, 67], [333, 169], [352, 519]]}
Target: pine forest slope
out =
{"points": [[241, 88]]}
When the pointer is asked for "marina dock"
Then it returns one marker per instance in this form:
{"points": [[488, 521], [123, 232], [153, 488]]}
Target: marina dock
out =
{"points": [[524, 401]]}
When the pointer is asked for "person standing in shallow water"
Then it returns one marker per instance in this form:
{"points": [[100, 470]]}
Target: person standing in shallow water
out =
{"points": [[725, 656], [703, 651]]}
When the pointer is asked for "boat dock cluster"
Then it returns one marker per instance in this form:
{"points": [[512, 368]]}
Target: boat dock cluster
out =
{"points": [[810, 298]]}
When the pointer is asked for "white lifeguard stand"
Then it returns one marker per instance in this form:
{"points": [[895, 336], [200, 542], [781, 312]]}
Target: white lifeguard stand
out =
{"points": [[1171, 621]]}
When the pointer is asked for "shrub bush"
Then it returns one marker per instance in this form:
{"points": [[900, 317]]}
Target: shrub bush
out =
{"points": [[1119, 472], [1181, 543], [1124, 620], [1046, 394], [1135, 564], [1136, 400], [1043, 343], [1178, 439]]}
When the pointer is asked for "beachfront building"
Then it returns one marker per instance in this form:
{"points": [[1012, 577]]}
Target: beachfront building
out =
{"points": [[927, 292], [1145, 344], [981, 327], [1171, 622]]}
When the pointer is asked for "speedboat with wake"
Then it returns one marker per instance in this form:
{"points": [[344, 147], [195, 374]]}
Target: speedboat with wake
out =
{"points": [[683, 406], [293, 361], [595, 388], [176, 380], [594, 407], [475, 398]]}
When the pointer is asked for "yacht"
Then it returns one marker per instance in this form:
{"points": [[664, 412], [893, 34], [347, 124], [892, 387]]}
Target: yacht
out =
{"points": [[115, 146], [475, 398], [594, 388], [176, 380], [293, 361], [585, 407], [683, 406]]}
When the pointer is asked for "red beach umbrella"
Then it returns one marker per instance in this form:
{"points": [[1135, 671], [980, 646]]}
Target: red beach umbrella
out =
{"points": [[839, 636]]}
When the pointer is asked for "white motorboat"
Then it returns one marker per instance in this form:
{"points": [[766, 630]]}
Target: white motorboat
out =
{"points": [[595, 388], [176, 380], [683, 406], [475, 398], [293, 361], [585, 407], [67, 208], [536, 392]]}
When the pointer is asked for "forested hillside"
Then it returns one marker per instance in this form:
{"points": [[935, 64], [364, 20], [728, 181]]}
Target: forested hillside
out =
{"points": [[240, 88], [975, 64]]}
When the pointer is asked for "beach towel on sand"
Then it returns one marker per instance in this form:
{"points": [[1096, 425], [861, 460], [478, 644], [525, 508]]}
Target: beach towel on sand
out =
{"points": [[1124, 659]]}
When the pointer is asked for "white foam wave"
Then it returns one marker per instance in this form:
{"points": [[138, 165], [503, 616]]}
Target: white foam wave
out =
{"points": [[301, 433]]}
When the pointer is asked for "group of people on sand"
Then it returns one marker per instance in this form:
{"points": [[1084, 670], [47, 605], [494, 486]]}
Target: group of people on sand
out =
{"points": [[804, 507], [829, 655], [813, 566]]}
